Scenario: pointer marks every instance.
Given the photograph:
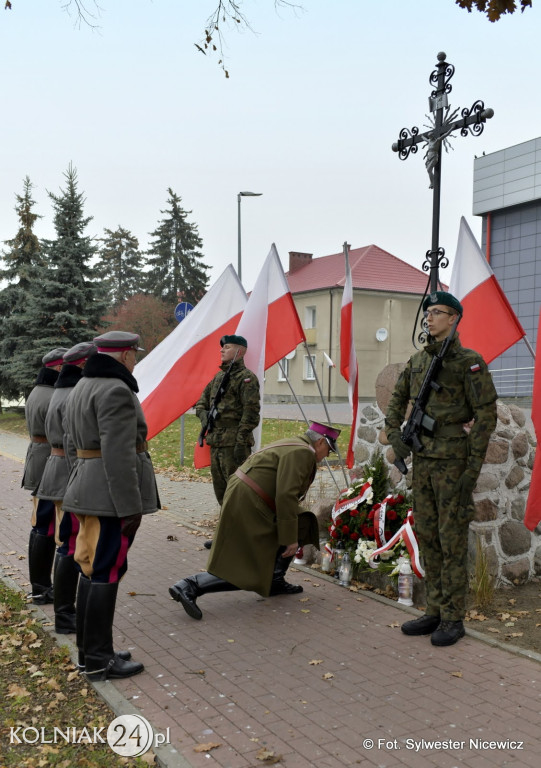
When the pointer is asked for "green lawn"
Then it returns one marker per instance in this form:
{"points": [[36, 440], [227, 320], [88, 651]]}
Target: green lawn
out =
{"points": [[165, 447]]}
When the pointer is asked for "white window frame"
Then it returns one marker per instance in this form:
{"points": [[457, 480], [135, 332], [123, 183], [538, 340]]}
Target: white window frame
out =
{"points": [[308, 371], [285, 365], [310, 316]]}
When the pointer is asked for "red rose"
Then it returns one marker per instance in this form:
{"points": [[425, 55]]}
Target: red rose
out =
{"points": [[399, 499], [391, 514], [371, 515], [370, 531], [364, 530], [354, 536], [345, 530], [335, 534], [338, 521], [353, 512]]}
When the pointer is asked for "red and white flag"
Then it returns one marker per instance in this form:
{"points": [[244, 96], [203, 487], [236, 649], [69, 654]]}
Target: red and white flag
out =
{"points": [[489, 325], [270, 323], [348, 357], [172, 377], [532, 516]]}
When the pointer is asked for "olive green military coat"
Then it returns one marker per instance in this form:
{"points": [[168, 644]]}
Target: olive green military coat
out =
{"points": [[104, 414], [249, 532]]}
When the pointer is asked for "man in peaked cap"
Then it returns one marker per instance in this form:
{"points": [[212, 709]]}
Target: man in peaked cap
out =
{"points": [[446, 470], [53, 485], [41, 546], [234, 392], [110, 487], [261, 524]]}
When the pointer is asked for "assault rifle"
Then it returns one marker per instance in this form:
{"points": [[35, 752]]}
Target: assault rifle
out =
{"points": [[418, 419], [213, 414]]}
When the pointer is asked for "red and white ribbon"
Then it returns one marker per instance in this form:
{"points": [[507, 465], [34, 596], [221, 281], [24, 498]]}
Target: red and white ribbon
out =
{"points": [[407, 534], [346, 504], [379, 521]]}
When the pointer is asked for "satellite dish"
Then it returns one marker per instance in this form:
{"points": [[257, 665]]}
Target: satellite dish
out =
{"points": [[381, 334], [291, 355]]}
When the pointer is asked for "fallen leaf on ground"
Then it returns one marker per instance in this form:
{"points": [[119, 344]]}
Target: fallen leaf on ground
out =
{"points": [[314, 662], [207, 747], [268, 756], [394, 624], [16, 690], [328, 676], [493, 629], [305, 610], [456, 674]]}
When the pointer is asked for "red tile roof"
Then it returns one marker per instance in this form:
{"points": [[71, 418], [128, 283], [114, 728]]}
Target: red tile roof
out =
{"points": [[372, 269]]}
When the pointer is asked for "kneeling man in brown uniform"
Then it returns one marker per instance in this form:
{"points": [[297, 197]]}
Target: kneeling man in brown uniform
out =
{"points": [[111, 485], [261, 523]]}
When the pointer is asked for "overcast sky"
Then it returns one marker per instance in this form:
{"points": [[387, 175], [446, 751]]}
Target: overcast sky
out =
{"points": [[314, 101]]}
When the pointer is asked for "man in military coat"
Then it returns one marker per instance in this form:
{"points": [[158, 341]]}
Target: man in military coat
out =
{"points": [[110, 487], [446, 470], [41, 546], [230, 436], [53, 485], [261, 524]]}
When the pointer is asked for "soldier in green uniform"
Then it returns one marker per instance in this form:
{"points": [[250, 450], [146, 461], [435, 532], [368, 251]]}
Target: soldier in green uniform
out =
{"points": [[262, 524], [446, 470], [230, 437]]}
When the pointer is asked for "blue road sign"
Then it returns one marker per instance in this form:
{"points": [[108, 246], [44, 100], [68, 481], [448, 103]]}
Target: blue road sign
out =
{"points": [[182, 309]]}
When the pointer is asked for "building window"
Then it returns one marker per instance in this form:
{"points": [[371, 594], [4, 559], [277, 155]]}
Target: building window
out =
{"points": [[283, 372], [308, 370], [310, 317]]}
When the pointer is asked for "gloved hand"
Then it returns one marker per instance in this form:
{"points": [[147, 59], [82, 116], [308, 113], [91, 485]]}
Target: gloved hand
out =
{"points": [[239, 454], [130, 525], [401, 450], [204, 419], [464, 487]]}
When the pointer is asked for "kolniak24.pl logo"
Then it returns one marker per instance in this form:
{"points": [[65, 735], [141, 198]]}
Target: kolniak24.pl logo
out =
{"points": [[127, 735]]}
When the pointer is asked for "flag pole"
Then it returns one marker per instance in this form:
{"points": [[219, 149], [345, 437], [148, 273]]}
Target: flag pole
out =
{"points": [[326, 410], [284, 374], [530, 348]]}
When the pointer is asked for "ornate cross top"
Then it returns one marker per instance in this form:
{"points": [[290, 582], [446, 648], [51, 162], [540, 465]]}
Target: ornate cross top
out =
{"points": [[442, 125]]}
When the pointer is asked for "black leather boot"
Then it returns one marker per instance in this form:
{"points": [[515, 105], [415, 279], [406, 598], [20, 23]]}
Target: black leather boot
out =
{"points": [[279, 586], [448, 633], [83, 590], [424, 625], [66, 576], [186, 591], [41, 551]]}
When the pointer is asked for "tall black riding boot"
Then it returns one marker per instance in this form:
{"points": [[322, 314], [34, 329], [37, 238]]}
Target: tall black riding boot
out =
{"points": [[279, 586], [41, 551], [66, 576], [83, 590], [101, 662], [188, 589]]}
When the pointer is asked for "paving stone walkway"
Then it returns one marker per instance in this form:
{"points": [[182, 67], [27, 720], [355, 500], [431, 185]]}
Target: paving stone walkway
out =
{"points": [[322, 679]]}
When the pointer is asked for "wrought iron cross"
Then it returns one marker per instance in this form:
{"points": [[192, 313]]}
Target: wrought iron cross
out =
{"points": [[443, 124]]}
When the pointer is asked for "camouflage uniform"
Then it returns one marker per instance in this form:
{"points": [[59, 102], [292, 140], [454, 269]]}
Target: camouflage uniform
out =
{"points": [[238, 416], [441, 523]]}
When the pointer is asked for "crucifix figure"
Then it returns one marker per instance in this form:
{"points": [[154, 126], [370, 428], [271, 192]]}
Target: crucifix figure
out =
{"points": [[442, 125]]}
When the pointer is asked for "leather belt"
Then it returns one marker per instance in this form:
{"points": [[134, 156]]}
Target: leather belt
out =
{"points": [[95, 453], [57, 451], [39, 439], [256, 489]]}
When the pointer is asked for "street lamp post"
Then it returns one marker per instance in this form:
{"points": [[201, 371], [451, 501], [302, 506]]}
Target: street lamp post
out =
{"points": [[242, 194]]}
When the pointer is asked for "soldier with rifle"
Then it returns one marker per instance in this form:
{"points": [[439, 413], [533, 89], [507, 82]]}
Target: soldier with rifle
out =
{"points": [[229, 410], [448, 387]]}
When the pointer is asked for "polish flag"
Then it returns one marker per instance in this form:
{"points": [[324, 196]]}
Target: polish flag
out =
{"points": [[532, 516], [489, 324], [270, 323], [172, 376], [348, 358]]}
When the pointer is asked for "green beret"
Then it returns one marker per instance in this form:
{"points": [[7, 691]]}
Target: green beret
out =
{"points": [[445, 298], [238, 340]]}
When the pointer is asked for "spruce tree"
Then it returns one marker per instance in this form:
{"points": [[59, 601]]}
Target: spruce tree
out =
{"points": [[22, 262], [176, 271], [119, 265]]}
